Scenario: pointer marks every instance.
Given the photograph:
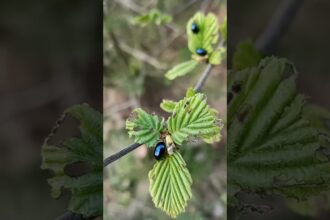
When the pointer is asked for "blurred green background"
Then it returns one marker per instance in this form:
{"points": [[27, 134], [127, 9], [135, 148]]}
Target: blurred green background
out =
{"points": [[136, 58]]}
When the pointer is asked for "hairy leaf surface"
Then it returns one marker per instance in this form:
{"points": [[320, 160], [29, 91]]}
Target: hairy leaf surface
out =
{"points": [[181, 69], [193, 117], [145, 128], [170, 184], [272, 147]]}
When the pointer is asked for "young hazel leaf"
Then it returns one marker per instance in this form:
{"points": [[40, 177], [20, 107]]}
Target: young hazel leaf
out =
{"points": [[170, 184], [193, 117], [144, 127], [245, 56], [217, 56], [86, 189], [223, 30], [168, 105], [272, 147], [181, 69], [208, 34]]}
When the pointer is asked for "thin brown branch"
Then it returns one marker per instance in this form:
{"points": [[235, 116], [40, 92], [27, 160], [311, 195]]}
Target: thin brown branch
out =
{"points": [[278, 25], [120, 154]]}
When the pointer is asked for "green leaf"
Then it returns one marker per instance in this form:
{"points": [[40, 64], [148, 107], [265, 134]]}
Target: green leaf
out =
{"points": [[272, 148], [193, 117], [181, 69], [168, 105], [223, 30], [86, 189], [170, 184], [208, 32], [154, 16], [217, 56], [190, 92], [245, 56], [144, 127], [319, 117]]}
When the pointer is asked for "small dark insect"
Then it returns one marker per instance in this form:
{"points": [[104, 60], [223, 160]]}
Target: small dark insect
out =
{"points": [[194, 28], [229, 97], [201, 52], [236, 87], [186, 104], [160, 150]]}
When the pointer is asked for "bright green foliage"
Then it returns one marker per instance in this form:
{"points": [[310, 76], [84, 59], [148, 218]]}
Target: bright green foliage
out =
{"points": [[208, 34], [144, 127], [170, 184], [168, 105], [217, 56], [86, 189], [181, 69], [272, 148], [154, 16], [206, 39], [245, 56], [193, 117], [190, 92], [170, 181], [223, 29]]}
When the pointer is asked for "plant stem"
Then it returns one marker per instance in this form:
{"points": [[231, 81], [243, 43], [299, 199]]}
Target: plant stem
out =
{"points": [[203, 78], [277, 26], [199, 86], [120, 154], [206, 73]]}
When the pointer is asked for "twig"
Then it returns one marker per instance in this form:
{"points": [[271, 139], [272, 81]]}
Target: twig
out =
{"points": [[120, 154], [140, 55], [278, 25], [200, 84], [203, 78], [184, 7]]}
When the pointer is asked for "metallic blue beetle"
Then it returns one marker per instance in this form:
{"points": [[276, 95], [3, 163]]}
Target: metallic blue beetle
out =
{"points": [[160, 150], [201, 52], [194, 28]]}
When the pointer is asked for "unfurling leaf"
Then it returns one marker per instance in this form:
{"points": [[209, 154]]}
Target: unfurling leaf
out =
{"points": [[168, 105], [86, 189], [272, 147], [223, 30], [144, 127], [193, 117], [181, 69], [245, 56], [217, 56], [208, 34], [170, 184]]}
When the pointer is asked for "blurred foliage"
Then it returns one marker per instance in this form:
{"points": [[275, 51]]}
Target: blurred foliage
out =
{"points": [[272, 146], [154, 16], [245, 56], [85, 188], [135, 60]]}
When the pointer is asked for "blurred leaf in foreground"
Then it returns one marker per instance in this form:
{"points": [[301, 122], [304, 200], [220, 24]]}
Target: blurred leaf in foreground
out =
{"points": [[86, 189], [272, 147]]}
